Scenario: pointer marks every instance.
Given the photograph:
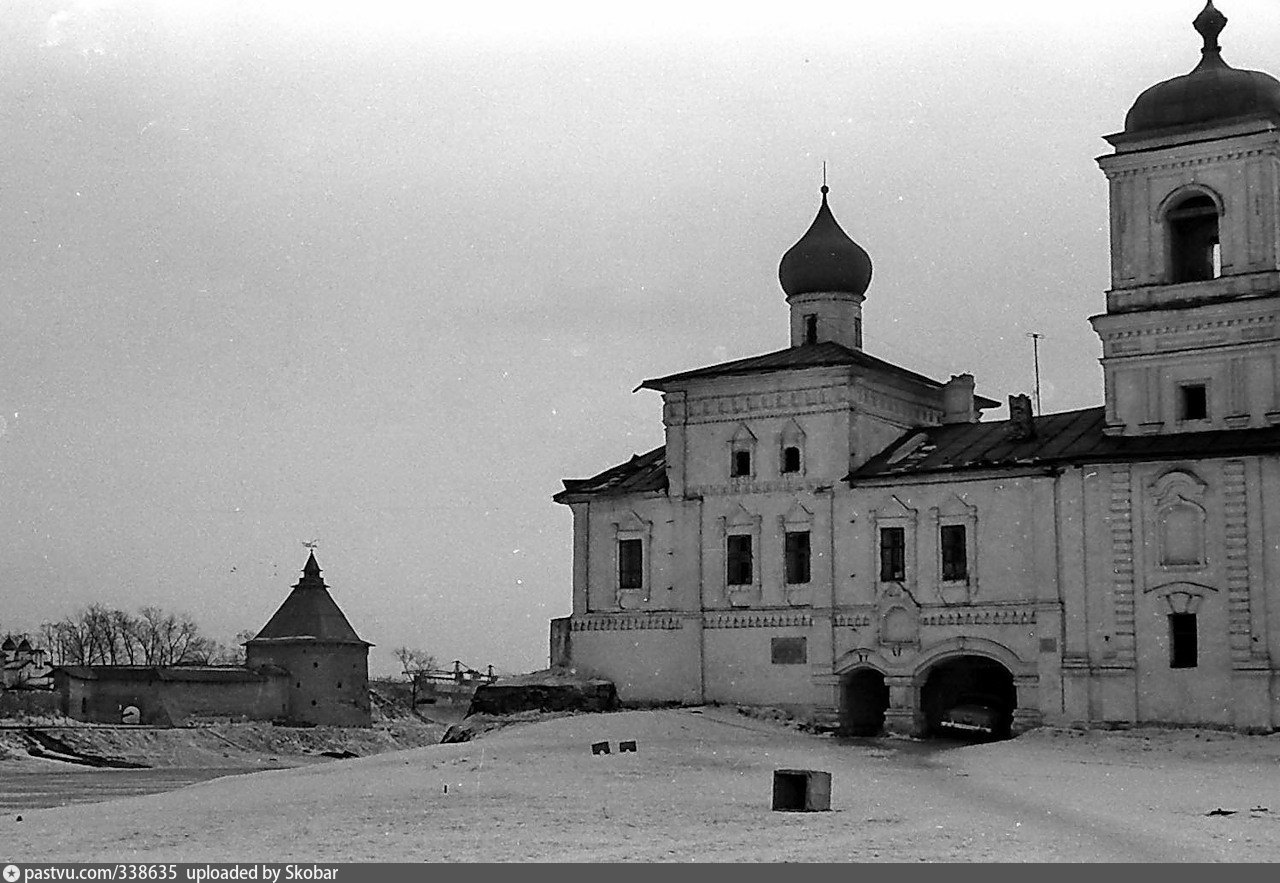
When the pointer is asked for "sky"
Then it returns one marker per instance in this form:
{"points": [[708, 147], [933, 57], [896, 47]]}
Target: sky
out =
{"points": [[379, 275]]}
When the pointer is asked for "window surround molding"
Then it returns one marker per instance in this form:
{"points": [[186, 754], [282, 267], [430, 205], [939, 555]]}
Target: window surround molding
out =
{"points": [[743, 439], [956, 512], [740, 522], [1173, 491], [630, 526], [1181, 597], [797, 518], [893, 512]]}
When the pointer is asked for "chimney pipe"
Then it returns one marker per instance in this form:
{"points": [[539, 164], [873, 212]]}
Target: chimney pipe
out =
{"points": [[957, 400]]}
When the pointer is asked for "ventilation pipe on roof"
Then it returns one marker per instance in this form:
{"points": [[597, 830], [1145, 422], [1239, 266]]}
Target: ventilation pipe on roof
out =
{"points": [[957, 400]]}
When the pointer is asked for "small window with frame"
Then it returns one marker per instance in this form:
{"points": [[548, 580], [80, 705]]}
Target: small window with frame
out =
{"points": [[893, 554], [1193, 401], [738, 560], [797, 557], [811, 329], [1183, 649], [790, 459], [955, 554], [631, 564], [740, 465]]}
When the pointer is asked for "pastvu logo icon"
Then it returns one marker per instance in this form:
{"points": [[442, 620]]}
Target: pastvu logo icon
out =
{"points": [[11, 873]]}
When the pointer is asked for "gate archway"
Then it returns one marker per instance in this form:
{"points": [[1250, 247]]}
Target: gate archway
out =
{"points": [[968, 680], [864, 698]]}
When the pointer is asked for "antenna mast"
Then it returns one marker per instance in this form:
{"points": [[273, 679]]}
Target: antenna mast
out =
{"points": [[1035, 352]]}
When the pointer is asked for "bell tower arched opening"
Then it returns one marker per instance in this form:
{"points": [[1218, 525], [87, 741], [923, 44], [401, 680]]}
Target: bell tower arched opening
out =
{"points": [[1195, 252]]}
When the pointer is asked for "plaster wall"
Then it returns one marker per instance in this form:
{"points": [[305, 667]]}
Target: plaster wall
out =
{"points": [[645, 664]]}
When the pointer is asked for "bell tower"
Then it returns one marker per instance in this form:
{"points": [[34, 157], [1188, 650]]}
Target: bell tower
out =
{"points": [[1190, 333]]}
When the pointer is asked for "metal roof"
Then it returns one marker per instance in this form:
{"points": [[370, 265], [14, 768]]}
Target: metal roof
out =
{"points": [[642, 473], [827, 354], [1067, 437], [309, 613]]}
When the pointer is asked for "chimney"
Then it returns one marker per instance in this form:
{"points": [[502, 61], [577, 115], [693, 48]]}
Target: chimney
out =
{"points": [[1021, 427], [957, 400]]}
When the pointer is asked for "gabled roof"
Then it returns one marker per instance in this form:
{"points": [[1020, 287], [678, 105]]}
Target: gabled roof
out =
{"points": [[640, 474], [1067, 437], [309, 613], [827, 354]]}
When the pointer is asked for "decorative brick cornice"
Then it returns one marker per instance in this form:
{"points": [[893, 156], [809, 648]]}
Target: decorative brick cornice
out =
{"points": [[979, 616], [625, 622], [1189, 333], [761, 620], [1145, 169], [852, 620]]}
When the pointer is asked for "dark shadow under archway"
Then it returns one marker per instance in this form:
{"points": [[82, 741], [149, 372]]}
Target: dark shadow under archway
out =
{"points": [[970, 683], [864, 697]]}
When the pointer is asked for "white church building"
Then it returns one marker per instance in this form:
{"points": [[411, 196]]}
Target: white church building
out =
{"points": [[832, 533]]}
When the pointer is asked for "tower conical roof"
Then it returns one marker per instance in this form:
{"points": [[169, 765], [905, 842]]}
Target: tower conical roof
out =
{"points": [[825, 259], [309, 613]]}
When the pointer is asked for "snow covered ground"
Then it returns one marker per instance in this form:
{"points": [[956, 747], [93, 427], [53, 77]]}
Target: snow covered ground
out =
{"points": [[699, 789]]}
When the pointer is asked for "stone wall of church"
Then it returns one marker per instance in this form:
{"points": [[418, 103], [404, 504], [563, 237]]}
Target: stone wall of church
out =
{"points": [[649, 658]]}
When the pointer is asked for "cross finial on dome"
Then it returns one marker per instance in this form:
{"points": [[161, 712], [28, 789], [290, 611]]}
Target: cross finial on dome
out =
{"points": [[1209, 23]]}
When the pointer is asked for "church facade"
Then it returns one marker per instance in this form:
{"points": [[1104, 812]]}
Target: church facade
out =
{"points": [[829, 532]]}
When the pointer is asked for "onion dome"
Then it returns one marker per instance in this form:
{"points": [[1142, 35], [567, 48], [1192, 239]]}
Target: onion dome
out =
{"points": [[1212, 92], [825, 259]]}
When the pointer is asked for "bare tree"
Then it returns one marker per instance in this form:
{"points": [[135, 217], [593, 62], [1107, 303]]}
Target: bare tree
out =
{"points": [[416, 665]]}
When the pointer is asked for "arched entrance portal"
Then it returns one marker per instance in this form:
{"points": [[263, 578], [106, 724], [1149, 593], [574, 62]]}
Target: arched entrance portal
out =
{"points": [[864, 698], [959, 689]]}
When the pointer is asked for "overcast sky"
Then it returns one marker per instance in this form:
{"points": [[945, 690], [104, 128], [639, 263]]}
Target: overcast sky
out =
{"points": [[380, 275]]}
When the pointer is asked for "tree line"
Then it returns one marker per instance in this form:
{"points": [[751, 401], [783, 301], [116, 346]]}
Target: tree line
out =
{"points": [[100, 635]]}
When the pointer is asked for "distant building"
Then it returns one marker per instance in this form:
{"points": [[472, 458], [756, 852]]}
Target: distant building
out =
{"points": [[24, 666], [829, 531], [306, 666], [328, 663]]}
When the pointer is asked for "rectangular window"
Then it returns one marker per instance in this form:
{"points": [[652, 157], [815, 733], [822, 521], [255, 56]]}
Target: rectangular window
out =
{"points": [[1193, 402], [811, 329], [893, 554], [790, 459], [738, 560], [955, 557], [630, 564], [789, 651], [741, 464], [797, 555], [1182, 640]]}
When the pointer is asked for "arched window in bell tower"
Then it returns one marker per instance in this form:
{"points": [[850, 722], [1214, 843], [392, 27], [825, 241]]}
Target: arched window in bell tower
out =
{"points": [[1194, 250]]}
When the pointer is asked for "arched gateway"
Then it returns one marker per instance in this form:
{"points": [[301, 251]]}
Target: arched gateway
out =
{"points": [[966, 689], [864, 699]]}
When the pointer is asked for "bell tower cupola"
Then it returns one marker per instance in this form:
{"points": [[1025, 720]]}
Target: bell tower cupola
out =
{"points": [[825, 276], [1189, 335]]}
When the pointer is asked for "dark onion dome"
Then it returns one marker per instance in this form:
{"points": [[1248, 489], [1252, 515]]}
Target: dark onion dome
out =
{"points": [[1213, 91], [825, 259]]}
